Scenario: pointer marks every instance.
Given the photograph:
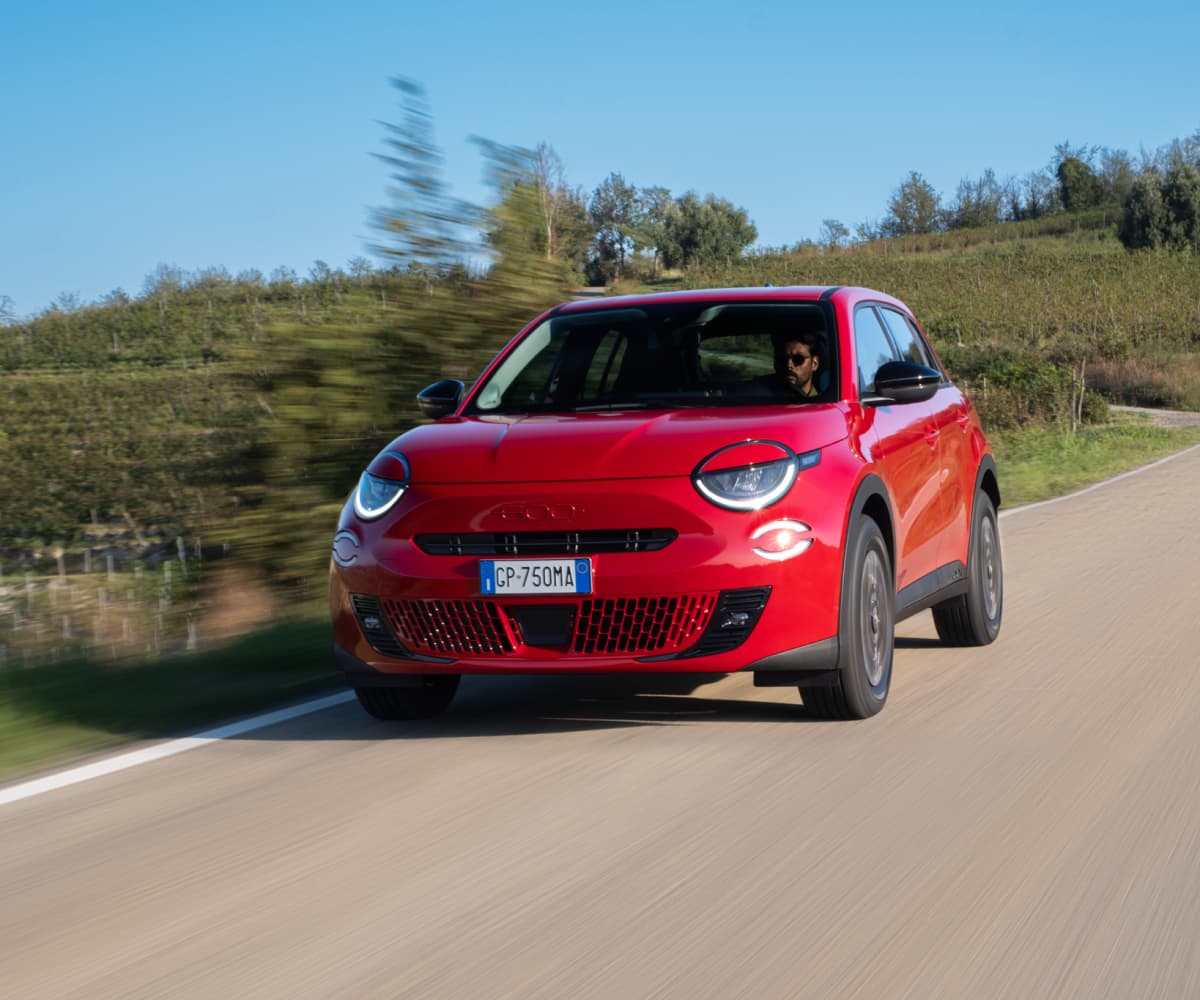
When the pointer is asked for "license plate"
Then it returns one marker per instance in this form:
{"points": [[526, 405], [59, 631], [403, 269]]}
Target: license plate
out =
{"points": [[535, 576]]}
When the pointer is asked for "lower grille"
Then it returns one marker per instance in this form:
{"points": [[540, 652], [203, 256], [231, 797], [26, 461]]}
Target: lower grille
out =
{"points": [[462, 627], [641, 624], [636, 626]]}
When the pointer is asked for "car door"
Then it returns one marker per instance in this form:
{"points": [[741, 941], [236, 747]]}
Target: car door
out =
{"points": [[903, 449], [950, 421]]}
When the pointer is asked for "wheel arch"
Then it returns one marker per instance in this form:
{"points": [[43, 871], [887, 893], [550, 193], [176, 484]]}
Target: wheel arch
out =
{"points": [[871, 500], [987, 481]]}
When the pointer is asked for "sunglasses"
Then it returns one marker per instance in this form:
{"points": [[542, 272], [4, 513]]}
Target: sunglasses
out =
{"points": [[798, 359]]}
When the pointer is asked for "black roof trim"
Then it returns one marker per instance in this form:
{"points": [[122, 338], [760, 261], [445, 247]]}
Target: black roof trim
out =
{"points": [[830, 292]]}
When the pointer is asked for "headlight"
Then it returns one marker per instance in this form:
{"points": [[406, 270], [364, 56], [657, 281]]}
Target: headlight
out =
{"points": [[375, 496], [751, 487], [763, 478]]}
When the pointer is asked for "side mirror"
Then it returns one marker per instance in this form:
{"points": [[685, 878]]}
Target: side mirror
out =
{"points": [[441, 398], [903, 382]]}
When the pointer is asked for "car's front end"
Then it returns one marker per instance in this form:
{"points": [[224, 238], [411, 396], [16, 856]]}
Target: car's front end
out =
{"points": [[647, 560]]}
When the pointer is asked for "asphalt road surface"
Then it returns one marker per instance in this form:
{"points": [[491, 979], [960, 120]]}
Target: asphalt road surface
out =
{"points": [[1021, 821]]}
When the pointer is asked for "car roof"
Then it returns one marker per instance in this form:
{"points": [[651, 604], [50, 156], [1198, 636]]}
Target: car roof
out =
{"points": [[757, 293]]}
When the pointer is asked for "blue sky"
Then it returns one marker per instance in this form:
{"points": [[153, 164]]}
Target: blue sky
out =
{"points": [[239, 135]]}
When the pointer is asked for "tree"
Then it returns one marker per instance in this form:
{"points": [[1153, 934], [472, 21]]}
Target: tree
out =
{"points": [[708, 231], [1116, 175], [1163, 211], [1143, 220], [868, 230], [977, 203], [833, 233], [613, 211], [566, 231], [650, 221], [1078, 185], [424, 228], [914, 208], [1181, 204], [1032, 197]]}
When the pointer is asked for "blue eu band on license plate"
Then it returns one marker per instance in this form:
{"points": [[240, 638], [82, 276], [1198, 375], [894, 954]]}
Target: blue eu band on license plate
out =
{"points": [[535, 576]]}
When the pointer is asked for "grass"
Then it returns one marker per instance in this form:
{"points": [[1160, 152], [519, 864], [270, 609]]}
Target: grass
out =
{"points": [[52, 712], [55, 712], [1039, 463]]}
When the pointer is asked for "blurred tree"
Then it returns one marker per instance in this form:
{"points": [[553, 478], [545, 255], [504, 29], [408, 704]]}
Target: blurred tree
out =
{"points": [[424, 228], [914, 208], [523, 279], [565, 225]]}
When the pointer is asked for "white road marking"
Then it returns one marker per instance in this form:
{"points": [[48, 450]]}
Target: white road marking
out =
{"points": [[133, 758], [123, 761]]}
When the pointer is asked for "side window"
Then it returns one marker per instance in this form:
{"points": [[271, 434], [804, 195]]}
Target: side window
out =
{"points": [[908, 339], [606, 362], [872, 347]]}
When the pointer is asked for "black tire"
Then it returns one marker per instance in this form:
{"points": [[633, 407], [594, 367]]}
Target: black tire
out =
{"points": [[866, 632], [973, 618], [392, 704]]}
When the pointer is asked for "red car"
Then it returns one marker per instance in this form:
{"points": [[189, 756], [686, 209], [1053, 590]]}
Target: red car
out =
{"points": [[758, 479]]}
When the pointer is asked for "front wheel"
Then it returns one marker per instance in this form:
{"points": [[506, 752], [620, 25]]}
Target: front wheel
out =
{"points": [[866, 634], [431, 698], [973, 618]]}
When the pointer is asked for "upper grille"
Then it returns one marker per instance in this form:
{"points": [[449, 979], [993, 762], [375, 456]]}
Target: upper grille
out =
{"points": [[547, 543]]}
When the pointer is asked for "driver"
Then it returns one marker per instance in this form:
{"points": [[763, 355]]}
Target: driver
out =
{"points": [[801, 360]]}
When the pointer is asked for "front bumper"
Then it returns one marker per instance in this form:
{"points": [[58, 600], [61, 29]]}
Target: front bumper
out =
{"points": [[706, 601]]}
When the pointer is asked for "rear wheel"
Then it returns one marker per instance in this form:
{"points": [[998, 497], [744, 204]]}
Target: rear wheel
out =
{"points": [[431, 698], [973, 618], [866, 633]]}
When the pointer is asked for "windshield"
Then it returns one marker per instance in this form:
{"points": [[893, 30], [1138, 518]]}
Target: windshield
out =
{"points": [[667, 355]]}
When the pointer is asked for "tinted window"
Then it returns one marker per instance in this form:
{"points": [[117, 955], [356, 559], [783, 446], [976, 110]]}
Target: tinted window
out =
{"points": [[872, 346], [908, 340], [712, 353]]}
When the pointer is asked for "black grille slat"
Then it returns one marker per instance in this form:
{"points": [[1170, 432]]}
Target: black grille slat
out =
{"points": [[547, 543]]}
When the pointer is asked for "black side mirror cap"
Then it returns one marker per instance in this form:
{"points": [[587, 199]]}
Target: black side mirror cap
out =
{"points": [[903, 382], [440, 399]]}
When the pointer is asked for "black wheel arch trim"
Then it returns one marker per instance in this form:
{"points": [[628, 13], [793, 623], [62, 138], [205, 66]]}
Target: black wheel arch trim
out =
{"points": [[987, 465], [871, 488]]}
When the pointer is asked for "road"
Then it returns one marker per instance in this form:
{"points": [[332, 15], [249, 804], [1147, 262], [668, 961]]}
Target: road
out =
{"points": [[1021, 821]]}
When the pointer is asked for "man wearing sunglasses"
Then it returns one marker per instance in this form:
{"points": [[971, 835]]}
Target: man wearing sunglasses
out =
{"points": [[801, 360]]}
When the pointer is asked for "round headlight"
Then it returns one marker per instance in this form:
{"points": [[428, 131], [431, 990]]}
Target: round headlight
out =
{"points": [[749, 475], [375, 496]]}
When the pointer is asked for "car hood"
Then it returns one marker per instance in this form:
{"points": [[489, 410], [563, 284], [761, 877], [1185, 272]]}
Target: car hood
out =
{"points": [[575, 447]]}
